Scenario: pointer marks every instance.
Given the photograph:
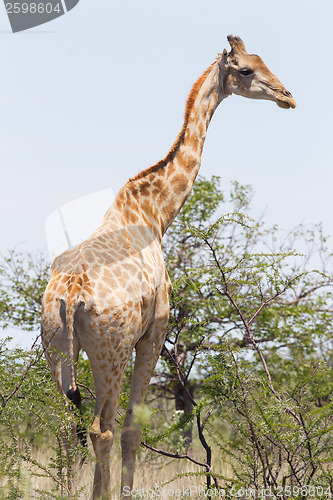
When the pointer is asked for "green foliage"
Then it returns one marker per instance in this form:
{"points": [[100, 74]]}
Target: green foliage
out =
{"points": [[23, 278], [253, 321], [33, 416], [142, 415], [279, 435]]}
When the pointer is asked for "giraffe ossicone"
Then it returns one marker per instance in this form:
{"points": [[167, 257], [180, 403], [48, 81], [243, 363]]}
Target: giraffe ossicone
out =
{"points": [[110, 294]]}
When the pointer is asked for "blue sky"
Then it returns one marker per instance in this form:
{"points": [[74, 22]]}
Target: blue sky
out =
{"points": [[95, 96]]}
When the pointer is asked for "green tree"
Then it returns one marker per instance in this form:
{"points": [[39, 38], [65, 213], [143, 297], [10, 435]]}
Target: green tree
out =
{"points": [[23, 278], [251, 324]]}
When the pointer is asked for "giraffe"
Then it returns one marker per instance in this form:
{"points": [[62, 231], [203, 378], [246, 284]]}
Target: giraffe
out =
{"points": [[110, 294]]}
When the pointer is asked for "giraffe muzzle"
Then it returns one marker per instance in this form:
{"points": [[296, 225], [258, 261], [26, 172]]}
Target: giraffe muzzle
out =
{"points": [[286, 104]]}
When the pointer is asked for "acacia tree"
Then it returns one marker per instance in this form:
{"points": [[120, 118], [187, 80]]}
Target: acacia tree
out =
{"points": [[23, 278], [254, 321], [269, 375], [188, 325], [263, 268]]}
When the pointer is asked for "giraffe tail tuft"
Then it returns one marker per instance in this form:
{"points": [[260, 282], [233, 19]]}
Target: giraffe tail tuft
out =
{"points": [[81, 431]]}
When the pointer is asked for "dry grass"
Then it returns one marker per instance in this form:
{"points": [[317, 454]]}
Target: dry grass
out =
{"points": [[168, 477]]}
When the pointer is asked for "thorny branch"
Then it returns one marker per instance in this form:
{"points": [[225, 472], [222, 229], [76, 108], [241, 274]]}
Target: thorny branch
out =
{"points": [[246, 324], [34, 360], [266, 466]]}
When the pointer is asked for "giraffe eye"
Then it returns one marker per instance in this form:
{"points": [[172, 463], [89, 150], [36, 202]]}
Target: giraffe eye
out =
{"points": [[246, 72]]}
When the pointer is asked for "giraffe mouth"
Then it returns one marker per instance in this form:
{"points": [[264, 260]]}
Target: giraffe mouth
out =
{"points": [[282, 97], [290, 103]]}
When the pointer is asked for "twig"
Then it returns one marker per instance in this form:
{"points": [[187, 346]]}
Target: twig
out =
{"points": [[32, 363], [187, 457]]}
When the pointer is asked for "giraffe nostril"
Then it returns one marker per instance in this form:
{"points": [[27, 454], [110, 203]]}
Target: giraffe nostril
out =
{"points": [[287, 93]]}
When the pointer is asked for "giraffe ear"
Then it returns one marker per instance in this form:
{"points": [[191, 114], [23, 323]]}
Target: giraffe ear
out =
{"points": [[225, 60]]}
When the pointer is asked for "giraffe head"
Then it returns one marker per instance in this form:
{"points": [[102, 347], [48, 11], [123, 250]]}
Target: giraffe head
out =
{"points": [[247, 75]]}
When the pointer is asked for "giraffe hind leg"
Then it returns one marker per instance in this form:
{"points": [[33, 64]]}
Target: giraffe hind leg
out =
{"points": [[148, 350], [108, 370]]}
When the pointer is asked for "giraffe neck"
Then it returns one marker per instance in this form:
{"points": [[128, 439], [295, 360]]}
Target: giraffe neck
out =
{"points": [[155, 196]]}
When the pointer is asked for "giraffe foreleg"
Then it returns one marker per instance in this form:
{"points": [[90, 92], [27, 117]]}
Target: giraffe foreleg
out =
{"points": [[148, 350], [102, 444]]}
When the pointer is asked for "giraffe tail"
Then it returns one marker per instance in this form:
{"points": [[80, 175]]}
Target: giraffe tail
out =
{"points": [[67, 314]]}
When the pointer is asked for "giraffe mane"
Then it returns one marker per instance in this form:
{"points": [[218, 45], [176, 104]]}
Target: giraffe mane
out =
{"points": [[174, 148]]}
